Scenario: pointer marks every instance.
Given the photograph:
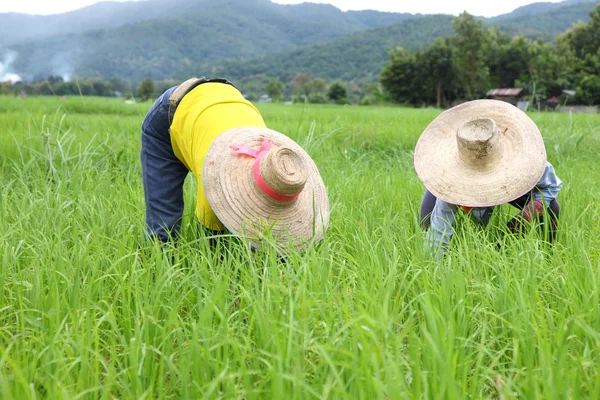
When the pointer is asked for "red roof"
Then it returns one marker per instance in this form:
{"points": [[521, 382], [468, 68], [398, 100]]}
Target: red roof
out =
{"points": [[505, 92]]}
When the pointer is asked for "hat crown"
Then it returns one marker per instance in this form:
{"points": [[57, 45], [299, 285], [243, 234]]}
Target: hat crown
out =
{"points": [[478, 142], [284, 171]]}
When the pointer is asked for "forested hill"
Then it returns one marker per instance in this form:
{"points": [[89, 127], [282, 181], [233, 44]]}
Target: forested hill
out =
{"points": [[209, 31], [358, 57], [15, 27], [537, 8], [544, 20], [361, 56], [174, 38]]}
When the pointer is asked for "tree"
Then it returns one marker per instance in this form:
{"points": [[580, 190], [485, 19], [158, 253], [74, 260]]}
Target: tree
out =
{"points": [[440, 67], [588, 91], [44, 88], [316, 91], [469, 39], [145, 89], [584, 38], [374, 94], [338, 93], [508, 60], [99, 87], [402, 77], [274, 89], [300, 82], [118, 84], [582, 44]]}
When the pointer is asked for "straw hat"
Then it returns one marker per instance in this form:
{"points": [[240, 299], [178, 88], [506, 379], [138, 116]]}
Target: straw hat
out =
{"points": [[258, 180], [480, 153]]}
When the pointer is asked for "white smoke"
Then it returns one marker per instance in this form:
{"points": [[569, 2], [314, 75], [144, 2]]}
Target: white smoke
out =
{"points": [[61, 66], [5, 68]]}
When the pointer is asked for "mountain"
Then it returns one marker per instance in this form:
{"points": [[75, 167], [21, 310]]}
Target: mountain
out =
{"points": [[544, 20], [362, 55], [164, 39], [538, 8], [16, 27], [208, 31], [359, 56]]}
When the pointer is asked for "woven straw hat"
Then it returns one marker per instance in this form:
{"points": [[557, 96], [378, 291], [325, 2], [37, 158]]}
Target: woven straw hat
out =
{"points": [[480, 153], [258, 180]]}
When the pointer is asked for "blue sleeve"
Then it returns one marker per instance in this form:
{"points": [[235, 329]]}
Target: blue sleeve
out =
{"points": [[442, 223], [548, 186]]}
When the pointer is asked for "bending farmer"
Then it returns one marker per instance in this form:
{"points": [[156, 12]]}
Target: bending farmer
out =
{"points": [[478, 155], [250, 178]]}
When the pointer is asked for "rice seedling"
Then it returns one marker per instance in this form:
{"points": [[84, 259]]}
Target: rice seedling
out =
{"points": [[90, 310]]}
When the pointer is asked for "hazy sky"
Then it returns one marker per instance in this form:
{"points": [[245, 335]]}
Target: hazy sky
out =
{"points": [[484, 8]]}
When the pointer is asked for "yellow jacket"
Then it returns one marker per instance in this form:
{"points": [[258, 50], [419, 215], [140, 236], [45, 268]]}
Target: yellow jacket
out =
{"points": [[205, 112]]}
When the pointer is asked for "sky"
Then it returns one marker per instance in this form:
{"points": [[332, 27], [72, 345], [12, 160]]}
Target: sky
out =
{"points": [[483, 8]]}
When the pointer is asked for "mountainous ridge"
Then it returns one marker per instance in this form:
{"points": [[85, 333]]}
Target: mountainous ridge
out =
{"points": [[18, 27], [241, 37], [538, 7]]}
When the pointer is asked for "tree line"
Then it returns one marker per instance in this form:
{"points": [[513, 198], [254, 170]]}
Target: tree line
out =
{"points": [[467, 64], [462, 66]]}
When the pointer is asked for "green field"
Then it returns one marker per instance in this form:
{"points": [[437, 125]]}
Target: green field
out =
{"points": [[90, 311]]}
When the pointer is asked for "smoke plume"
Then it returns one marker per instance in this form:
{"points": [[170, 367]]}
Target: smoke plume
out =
{"points": [[6, 74]]}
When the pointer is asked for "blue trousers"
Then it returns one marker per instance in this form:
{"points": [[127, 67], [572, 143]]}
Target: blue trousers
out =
{"points": [[163, 174]]}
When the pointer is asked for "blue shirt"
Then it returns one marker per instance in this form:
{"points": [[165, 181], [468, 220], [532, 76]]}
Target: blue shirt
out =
{"points": [[443, 214]]}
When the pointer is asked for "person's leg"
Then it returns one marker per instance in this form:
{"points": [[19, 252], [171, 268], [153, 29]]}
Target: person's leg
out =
{"points": [[427, 204], [553, 214], [162, 173]]}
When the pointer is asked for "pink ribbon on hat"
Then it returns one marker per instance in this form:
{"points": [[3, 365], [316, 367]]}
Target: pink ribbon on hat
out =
{"points": [[258, 155]]}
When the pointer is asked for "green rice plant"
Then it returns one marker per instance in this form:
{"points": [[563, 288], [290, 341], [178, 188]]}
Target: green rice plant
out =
{"points": [[92, 311]]}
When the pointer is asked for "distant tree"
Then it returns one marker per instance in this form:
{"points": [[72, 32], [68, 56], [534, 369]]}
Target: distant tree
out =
{"points": [[338, 93], [581, 45], [439, 62], [508, 60], [588, 91], [402, 77], [65, 88], [84, 88], [54, 79], [584, 38], [469, 39], [145, 89], [118, 85], [44, 88], [300, 84], [374, 94], [551, 69], [274, 89], [316, 91], [100, 88]]}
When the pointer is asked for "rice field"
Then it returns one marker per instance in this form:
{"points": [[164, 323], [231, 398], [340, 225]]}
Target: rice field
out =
{"points": [[91, 311]]}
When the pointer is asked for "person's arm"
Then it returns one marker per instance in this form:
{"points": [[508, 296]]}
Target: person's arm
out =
{"points": [[442, 222], [548, 186], [544, 192]]}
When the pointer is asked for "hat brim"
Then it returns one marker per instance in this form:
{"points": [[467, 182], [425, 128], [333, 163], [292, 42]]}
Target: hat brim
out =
{"points": [[520, 166], [246, 210]]}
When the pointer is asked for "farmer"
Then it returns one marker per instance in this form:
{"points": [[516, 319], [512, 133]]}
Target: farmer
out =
{"points": [[478, 155], [250, 178]]}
